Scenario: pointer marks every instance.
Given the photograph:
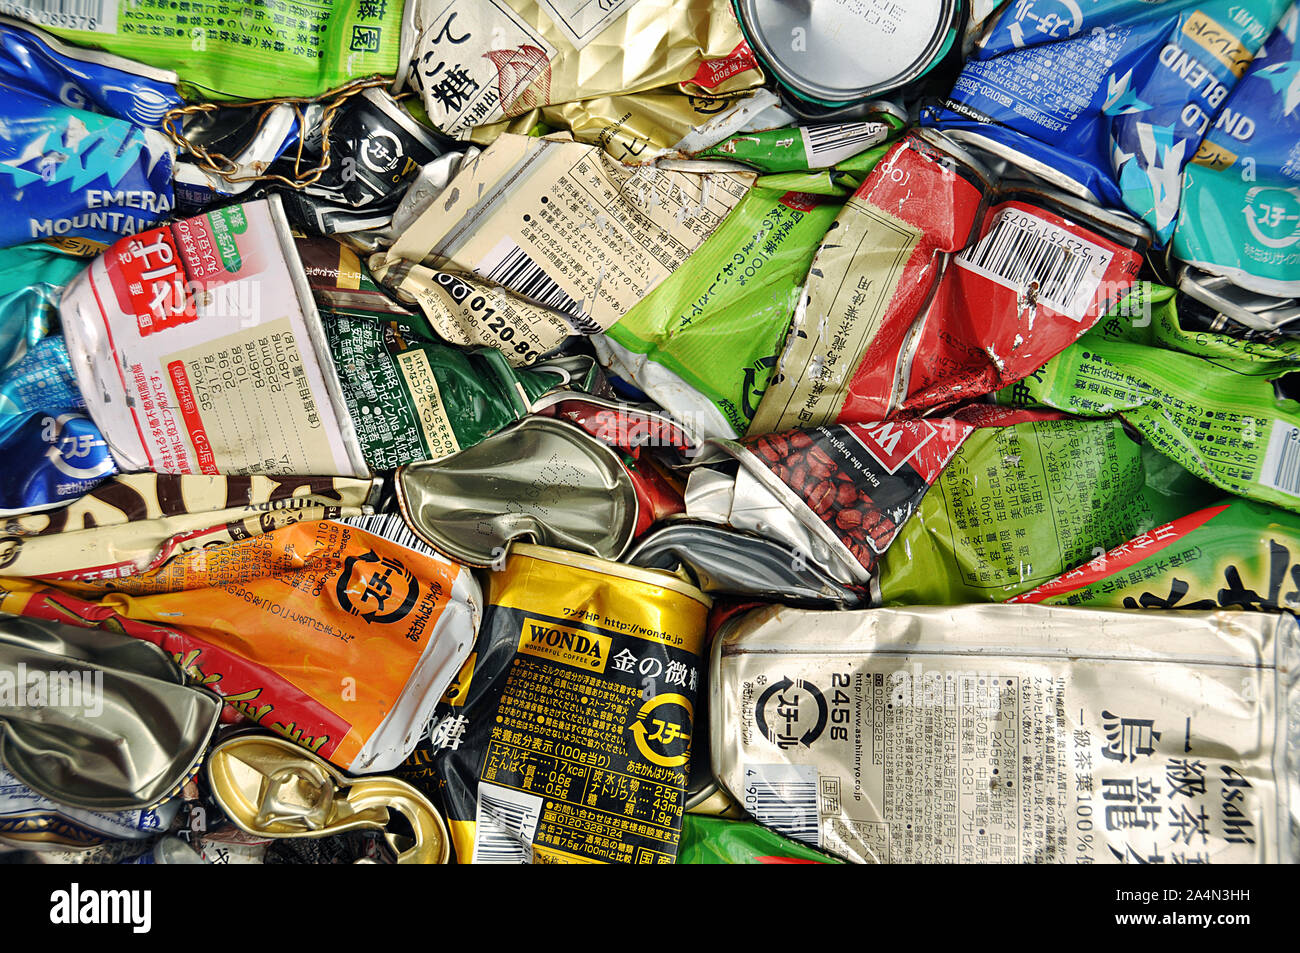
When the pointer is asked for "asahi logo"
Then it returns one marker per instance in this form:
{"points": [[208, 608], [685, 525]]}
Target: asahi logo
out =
{"points": [[576, 647], [76, 906]]}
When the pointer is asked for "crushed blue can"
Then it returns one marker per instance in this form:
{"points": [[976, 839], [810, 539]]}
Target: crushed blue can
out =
{"points": [[1241, 191], [1114, 96], [37, 63], [68, 172]]}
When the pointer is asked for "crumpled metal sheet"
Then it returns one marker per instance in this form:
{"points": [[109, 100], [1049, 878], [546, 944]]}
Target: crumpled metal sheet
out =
{"points": [[114, 728]]}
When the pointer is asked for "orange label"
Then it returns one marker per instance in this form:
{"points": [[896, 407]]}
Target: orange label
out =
{"points": [[312, 630]]}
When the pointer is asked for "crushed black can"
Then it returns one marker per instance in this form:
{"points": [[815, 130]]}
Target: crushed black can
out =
{"points": [[567, 736]]}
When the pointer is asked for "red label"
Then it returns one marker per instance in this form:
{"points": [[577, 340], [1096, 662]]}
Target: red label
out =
{"points": [[800, 201], [190, 414], [713, 72], [202, 259], [932, 349], [148, 277], [1121, 557]]}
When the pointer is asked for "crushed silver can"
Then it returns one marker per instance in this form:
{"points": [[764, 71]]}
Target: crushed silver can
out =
{"points": [[726, 562], [542, 481], [995, 735], [833, 52]]}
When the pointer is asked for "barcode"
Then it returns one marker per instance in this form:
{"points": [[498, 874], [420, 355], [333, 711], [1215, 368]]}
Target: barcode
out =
{"points": [[511, 267], [784, 798], [505, 821], [100, 15], [1281, 469], [393, 528], [1024, 252], [826, 145]]}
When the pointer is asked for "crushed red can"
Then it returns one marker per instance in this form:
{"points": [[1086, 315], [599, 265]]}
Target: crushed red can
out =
{"points": [[886, 327]]}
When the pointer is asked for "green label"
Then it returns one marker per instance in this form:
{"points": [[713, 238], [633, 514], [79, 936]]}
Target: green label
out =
{"points": [[1234, 555], [1019, 505], [1216, 415], [416, 400], [381, 409], [719, 321], [226, 224], [712, 840], [239, 48]]}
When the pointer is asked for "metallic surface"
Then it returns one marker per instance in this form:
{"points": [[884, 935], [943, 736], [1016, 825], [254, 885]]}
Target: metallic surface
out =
{"points": [[125, 734], [901, 695], [723, 561], [542, 481], [268, 785], [829, 51]]}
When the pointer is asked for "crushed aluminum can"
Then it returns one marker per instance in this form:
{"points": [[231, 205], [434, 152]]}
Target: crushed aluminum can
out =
{"points": [[725, 562], [1207, 401], [838, 494], [275, 621], [331, 43], [1241, 190], [541, 480], [703, 343], [494, 262], [1236, 311], [252, 141], [855, 732], [477, 62], [815, 48], [270, 787], [1234, 554], [97, 720], [34, 822], [202, 352], [884, 326], [33, 60], [135, 522], [640, 128], [632, 428], [571, 641], [377, 148], [1117, 95], [74, 174]]}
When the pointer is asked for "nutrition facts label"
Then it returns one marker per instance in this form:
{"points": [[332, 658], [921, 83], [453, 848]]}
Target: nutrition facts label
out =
{"points": [[995, 759], [251, 399], [561, 738]]}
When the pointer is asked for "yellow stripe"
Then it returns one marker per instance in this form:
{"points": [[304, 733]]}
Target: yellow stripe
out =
{"points": [[653, 606], [349, 268]]}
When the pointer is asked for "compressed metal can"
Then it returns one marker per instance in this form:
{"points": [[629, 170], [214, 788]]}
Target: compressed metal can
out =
{"points": [[815, 48], [993, 733]]}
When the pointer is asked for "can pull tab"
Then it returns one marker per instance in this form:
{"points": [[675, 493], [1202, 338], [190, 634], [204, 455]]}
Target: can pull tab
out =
{"points": [[297, 795]]}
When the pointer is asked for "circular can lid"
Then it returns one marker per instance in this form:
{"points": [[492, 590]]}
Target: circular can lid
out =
{"points": [[835, 51]]}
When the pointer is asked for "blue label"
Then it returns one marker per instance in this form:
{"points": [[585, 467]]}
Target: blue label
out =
{"points": [[1117, 94], [29, 63], [1241, 194], [46, 460], [31, 280], [69, 172]]}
